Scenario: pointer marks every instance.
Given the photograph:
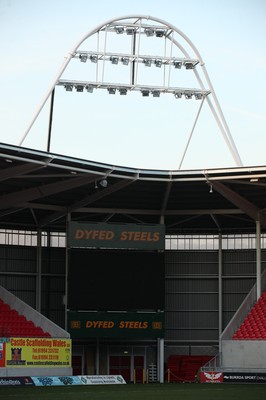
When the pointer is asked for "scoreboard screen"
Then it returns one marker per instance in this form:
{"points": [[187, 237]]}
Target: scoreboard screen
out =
{"points": [[115, 280]]}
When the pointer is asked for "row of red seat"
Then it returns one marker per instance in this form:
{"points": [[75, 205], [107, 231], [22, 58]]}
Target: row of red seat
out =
{"points": [[184, 368], [254, 325], [13, 324]]}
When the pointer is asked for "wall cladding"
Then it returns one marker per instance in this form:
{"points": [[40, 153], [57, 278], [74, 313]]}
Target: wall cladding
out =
{"points": [[191, 286], [192, 291]]}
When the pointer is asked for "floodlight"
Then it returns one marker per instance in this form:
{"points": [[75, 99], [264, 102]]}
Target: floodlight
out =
{"points": [[89, 89], [145, 93], [83, 57], [114, 59], [158, 62], [93, 58], [68, 87], [125, 60], [156, 93], [111, 90], [123, 91], [198, 96], [188, 95], [149, 31], [130, 31], [79, 88], [119, 30], [178, 95], [178, 64], [189, 65], [147, 62], [160, 33]]}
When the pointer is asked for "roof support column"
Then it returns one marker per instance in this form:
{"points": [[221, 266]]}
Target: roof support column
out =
{"points": [[220, 290], [258, 258], [39, 271], [160, 359]]}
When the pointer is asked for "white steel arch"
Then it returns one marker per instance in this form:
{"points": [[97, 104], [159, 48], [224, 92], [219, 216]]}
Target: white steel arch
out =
{"points": [[136, 26]]}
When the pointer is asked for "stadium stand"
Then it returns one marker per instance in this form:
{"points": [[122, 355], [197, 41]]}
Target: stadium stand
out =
{"points": [[13, 324], [254, 325]]}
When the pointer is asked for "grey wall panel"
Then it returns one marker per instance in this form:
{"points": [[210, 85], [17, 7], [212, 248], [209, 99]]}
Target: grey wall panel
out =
{"points": [[191, 285], [190, 335], [17, 259], [193, 319], [53, 260], [238, 285], [193, 301]]}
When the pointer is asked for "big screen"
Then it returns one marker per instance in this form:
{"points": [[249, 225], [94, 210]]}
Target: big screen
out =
{"points": [[115, 280]]}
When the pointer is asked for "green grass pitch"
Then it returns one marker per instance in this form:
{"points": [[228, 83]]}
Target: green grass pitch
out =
{"points": [[138, 392]]}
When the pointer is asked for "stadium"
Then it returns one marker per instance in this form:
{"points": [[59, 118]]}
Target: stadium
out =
{"points": [[111, 271]]}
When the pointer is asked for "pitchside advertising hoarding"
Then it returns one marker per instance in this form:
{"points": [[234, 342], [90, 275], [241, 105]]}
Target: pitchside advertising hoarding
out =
{"points": [[35, 353], [103, 235], [232, 377], [116, 325]]}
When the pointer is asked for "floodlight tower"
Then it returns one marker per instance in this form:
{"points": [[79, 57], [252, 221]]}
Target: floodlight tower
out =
{"points": [[177, 53]]}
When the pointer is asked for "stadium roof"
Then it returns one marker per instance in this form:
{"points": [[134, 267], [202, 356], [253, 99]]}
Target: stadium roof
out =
{"points": [[41, 190]]}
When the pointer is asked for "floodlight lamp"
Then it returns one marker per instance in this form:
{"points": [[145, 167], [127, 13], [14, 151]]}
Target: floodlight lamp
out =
{"points": [[178, 64], [114, 59], [149, 32], [198, 96], [188, 95], [123, 91], [125, 60], [156, 93], [111, 90], [89, 89], [94, 58], [160, 33], [79, 88], [130, 31], [145, 93], [83, 57], [189, 65], [119, 30], [178, 95], [68, 87], [147, 62], [158, 62]]}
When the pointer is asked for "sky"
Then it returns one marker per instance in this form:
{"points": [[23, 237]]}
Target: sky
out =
{"points": [[135, 131]]}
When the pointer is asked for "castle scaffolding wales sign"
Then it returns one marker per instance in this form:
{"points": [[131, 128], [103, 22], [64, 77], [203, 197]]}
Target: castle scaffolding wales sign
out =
{"points": [[102, 235]]}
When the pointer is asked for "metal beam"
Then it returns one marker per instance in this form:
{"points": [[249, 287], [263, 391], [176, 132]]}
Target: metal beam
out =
{"points": [[243, 204], [16, 198]]}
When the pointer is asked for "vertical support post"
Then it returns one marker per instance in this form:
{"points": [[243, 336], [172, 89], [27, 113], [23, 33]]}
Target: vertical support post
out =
{"points": [[108, 360], [38, 293], [161, 358], [132, 365], [84, 360], [132, 78], [97, 357], [220, 290], [258, 258], [66, 272], [158, 360]]}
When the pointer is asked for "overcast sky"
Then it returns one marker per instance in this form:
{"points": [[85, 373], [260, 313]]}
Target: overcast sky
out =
{"points": [[152, 133]]}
